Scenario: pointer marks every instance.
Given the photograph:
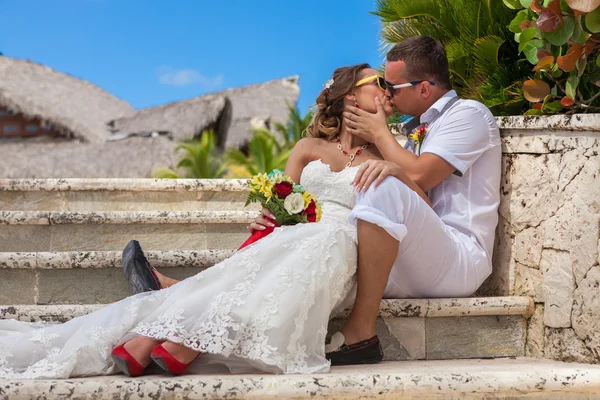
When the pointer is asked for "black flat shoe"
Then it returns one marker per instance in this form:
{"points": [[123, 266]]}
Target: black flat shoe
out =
{"points": [[364, 352], [138, 270]]}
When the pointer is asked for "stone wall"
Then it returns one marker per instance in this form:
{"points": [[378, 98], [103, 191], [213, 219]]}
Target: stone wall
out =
{"points": [[547, 239], [548, 235]]}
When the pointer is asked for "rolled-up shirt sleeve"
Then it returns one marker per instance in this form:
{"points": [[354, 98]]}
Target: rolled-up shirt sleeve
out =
{"points": [[460, 139]]}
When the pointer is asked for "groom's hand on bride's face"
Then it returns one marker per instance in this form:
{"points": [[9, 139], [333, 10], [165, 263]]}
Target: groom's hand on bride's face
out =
{"points": [[367, 125], [373, 172], [260, 222]]}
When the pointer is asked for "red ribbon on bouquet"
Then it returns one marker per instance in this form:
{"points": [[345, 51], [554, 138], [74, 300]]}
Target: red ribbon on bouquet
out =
{"points": [[257, 235]]}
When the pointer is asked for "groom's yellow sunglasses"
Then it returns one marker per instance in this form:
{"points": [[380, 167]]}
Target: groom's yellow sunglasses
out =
{"points": [[380, 81]]}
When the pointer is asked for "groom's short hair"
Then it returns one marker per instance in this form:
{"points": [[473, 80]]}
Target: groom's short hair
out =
{"points": [[425, 59]]}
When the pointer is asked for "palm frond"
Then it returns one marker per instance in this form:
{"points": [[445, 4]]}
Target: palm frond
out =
{"points": [[476, 39]]}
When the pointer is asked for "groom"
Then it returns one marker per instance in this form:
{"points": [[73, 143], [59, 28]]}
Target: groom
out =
{"points": [[405, 247]]}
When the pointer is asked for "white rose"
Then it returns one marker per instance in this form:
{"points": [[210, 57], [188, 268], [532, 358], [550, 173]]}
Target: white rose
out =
{"points": [[294, 203]]}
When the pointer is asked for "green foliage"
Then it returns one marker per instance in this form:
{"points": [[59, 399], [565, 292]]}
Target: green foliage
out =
{"points": [[484, 61], [561, 38], [265, 152], [201, 160], [295, 127]]}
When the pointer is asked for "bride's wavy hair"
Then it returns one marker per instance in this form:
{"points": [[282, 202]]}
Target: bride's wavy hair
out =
{"points": [[327, 117]]}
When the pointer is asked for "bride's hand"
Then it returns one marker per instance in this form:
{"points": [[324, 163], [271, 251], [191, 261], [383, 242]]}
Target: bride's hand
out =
{"points": [[374, 172], [260, 223]]}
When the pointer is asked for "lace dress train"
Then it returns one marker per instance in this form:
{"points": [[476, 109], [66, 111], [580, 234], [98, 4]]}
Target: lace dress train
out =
{"points": [[265, 308]]}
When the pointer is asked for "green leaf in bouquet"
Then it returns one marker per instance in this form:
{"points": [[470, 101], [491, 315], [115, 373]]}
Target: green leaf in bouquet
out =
{"points": [[254, 197]]}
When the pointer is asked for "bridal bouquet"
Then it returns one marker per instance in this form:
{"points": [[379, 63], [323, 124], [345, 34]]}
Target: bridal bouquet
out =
{"points": [[289, 202]]}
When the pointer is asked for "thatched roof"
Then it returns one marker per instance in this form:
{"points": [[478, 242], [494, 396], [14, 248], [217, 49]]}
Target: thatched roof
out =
{"points": [[131, 158], [72, 106], [80, 110], [228, 112], [265, 100], [184, 119]]}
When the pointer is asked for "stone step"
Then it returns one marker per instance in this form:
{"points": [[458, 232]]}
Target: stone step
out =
{"points": [[57, 231], [499, 379], [87, 276], [109, 259], [122, 194], [409, 329]]}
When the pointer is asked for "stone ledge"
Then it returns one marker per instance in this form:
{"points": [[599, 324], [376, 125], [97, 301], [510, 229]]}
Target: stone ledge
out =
{"points": [[109, 259], [540, 124], [499, 379], [121, 184], [425, 308], [575, 122], [465, 307], [125, 217]]}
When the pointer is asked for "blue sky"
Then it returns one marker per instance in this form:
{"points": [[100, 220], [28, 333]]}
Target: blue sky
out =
{"points": [[150, 52]]}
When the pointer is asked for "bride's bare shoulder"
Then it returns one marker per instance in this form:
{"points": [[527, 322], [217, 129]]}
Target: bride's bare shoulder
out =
{"points": [[309, 146]]}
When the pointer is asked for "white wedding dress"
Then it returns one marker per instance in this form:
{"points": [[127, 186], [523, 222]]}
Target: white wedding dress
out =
{"points": [[266, 308]]}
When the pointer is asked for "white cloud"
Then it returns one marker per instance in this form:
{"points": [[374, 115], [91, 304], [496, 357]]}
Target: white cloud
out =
{"points": [[186, 77]]}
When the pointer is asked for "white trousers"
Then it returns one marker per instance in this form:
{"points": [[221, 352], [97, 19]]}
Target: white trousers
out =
{"points": [[433, 260]]}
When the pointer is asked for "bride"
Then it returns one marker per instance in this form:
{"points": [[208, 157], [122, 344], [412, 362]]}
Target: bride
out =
{"points": [[265, 308]]}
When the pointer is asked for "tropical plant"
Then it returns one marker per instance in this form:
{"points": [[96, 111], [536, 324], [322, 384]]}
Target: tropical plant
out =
{"points": [[484, 61], [202, 159], [265, 152], [295, 127], [561, 38]]}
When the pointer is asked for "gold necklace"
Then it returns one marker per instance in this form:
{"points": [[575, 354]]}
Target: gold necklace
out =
{"points": [[353, 155]]}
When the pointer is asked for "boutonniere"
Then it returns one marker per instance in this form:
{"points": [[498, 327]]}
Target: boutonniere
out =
{"points": [[418, 136]]}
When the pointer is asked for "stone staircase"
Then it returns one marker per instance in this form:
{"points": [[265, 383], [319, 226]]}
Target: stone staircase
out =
{"points": [[499, 379], [60, 257]]}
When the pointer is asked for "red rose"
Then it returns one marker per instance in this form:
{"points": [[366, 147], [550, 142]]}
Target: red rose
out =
{"points": [[283, 189], [311, 209]]}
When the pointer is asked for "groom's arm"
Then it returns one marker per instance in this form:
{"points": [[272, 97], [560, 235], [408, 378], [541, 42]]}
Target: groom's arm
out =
{"points": [[427, 170], [454, 147]]}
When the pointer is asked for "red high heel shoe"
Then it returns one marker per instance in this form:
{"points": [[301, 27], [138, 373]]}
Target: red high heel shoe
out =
{"points": [[126, 362], [166, 361]]}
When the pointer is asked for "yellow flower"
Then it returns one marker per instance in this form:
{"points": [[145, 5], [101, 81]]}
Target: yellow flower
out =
{"points": [[258, 181], [307, 198], [414, 137], [319, 212], [267, 189]]}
